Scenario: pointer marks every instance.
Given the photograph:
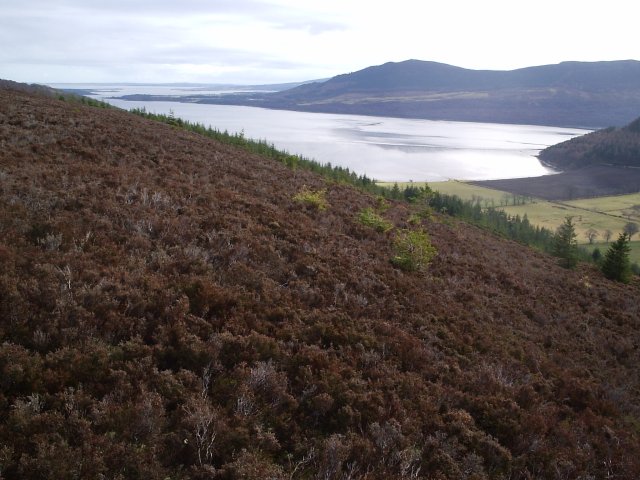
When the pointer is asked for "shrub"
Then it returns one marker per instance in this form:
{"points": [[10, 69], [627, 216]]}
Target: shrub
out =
{"points": [[314, 198], [414, 250], [371, 219], [382, 205], [417, 217]]}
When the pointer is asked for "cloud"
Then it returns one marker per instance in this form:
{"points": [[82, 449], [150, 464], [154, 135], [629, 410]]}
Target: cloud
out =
{"points": [[313, 27], [290, 40], [238, 35]]}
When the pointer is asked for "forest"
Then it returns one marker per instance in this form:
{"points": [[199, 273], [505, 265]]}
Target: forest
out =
{"points": [[610, 146]]}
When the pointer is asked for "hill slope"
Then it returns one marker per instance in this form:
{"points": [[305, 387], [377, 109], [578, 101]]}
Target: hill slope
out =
{"points": [[168, 310], [611, 146], [596, 94]]}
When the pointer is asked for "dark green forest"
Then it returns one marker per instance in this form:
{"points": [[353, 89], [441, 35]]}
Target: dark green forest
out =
{"points": [[610, 146]]}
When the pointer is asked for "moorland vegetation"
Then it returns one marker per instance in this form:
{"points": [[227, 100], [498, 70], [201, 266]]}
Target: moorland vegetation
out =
{"points": [[175, 306]]}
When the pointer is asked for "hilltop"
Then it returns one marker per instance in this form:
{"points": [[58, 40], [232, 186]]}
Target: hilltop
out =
{"points": [[583, 94], [169, 309]]}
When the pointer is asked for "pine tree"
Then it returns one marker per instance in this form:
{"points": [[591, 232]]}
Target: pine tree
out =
{"points": [[565, 245], [395, 192], [616, 265]]}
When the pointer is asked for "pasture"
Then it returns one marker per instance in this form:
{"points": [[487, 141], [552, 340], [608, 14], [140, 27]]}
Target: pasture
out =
{"points": [[600, 214]]}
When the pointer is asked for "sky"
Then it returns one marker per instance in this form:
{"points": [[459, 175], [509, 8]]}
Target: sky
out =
{"points": [[277, 41]]}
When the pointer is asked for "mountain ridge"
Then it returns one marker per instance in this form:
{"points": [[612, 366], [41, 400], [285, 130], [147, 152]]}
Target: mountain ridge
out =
{"points": [[434, 75], [548, 94]]}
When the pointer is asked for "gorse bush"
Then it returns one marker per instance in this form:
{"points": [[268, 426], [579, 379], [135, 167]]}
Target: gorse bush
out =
{"points": [[413, 250], [314, 198], [371, 219]]}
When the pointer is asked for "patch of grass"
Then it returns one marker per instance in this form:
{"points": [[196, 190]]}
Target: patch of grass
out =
{"points": [[371, 219], [314, 198], [627, 206], [413, 250]]}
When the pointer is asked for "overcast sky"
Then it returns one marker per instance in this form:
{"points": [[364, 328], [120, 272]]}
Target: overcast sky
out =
{"points": [[272, 41]]}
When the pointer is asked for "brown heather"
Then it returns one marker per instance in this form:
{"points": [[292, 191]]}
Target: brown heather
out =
{"points": [[169, 311]]}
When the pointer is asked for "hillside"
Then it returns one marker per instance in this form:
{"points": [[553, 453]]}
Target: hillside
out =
{"points": [[584, 94], [169, 310], [611, 146]]}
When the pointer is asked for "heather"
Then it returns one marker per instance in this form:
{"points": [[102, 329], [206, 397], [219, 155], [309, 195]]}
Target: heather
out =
{"points": [[172, 307]]}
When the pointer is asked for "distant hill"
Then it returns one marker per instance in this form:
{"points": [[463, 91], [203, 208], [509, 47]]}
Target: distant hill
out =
{"points": [[172, 307], [570, 93], [586, 94], [610, 146], [30, 88], [416, 75]]}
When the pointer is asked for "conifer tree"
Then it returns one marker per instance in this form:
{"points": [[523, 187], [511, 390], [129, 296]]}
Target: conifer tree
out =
{"points": [[565, 245], [616, 265]]}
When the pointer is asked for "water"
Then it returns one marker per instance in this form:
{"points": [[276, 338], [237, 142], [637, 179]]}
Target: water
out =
{"points": [[383, 148]]}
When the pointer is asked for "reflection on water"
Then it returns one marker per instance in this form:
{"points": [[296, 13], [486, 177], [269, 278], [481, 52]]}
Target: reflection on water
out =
{"points": [[388, 149]]}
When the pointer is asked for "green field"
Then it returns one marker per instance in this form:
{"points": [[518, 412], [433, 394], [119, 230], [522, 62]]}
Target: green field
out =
{"points": [[600, 214], [634, 255], [626, 206], [551, 215]]}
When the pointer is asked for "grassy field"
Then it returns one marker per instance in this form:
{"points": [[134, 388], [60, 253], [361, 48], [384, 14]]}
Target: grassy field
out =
{"points": [[551, 215], [600, 214], [627, 206], [635, 249]]}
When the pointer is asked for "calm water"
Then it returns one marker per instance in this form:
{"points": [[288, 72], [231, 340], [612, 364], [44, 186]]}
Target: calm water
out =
{"points": [[387, 149]]}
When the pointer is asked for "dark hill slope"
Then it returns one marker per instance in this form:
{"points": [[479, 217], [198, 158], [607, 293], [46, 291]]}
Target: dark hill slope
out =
{"points": [[611, 146], [168, 311], [587, 94]]}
